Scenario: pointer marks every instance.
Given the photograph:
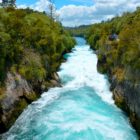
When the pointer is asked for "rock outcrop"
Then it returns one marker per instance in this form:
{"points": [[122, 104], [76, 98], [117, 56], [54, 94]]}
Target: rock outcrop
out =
{"points": [[17, 95], [127, 97]]}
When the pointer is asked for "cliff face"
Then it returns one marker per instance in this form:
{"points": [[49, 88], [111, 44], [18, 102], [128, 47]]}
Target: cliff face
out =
{"points": [[17, 95], [125, 93], [127, 97]]}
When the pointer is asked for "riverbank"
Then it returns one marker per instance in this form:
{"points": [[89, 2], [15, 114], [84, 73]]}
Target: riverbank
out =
{"points": [[126, 95], [117, 45], [32, 46]]}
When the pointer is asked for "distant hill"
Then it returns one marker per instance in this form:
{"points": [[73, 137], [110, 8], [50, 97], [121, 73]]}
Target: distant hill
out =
{"points": [[79, 31]]}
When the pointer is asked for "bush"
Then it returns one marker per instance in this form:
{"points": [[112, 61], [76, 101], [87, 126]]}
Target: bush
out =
{"points": [[28, 41], [122, 54]]}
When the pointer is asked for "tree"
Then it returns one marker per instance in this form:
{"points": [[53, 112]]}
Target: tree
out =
{"points": [[52, 10]]}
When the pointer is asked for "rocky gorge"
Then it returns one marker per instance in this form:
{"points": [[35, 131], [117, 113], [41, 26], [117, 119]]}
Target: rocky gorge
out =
{"points": [[32, 48], [82, 108]]}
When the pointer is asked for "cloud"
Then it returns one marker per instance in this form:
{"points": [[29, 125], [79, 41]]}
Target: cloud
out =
{"points": [[40, 5], [73, 15], [83, 1], [23, 6]]}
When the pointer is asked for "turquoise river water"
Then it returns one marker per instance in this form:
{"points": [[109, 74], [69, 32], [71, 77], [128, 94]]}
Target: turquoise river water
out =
{"points": [[83, 109]]}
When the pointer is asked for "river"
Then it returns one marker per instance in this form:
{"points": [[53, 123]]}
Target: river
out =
{"points": [[83, 109]]}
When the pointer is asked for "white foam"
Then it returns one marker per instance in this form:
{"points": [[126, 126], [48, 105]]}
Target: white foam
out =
{"points": [[82, 66]]}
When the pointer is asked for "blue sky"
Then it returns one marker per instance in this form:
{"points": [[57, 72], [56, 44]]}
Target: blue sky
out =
{"points": [[83, 12], [28, 2], [59, 3]]}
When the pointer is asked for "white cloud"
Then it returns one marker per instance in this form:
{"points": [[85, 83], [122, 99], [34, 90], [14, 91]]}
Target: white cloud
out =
{"points": [[23, 6], [40, 5], [72, 15], [83, 1]]}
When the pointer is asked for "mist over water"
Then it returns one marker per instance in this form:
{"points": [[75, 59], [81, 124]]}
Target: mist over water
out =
{"points": [[83, 109]]}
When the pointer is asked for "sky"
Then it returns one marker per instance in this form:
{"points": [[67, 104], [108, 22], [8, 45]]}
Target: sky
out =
{"points": [[83, 12]]}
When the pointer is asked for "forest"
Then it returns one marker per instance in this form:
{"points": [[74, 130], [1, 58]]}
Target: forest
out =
{"points": [[79, 31], [118, 56], [31, 43]]}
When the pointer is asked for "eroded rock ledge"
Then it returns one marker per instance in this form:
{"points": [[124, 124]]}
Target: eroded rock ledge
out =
{"points": [[127, 97], [18, 94]]}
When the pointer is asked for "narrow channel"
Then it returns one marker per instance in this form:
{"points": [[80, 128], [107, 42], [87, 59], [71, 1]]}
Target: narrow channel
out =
{"points": [[83, 109]]}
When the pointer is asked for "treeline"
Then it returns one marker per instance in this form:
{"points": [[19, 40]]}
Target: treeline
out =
{"points": [[80, 31], [119, 55], [31, 44]]}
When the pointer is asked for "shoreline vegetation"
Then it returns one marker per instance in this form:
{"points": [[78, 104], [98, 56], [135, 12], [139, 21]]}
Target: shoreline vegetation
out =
{"points": [[32, 45], [117, 44]]}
